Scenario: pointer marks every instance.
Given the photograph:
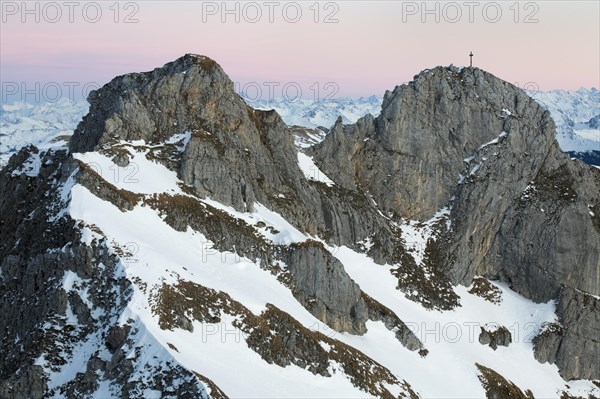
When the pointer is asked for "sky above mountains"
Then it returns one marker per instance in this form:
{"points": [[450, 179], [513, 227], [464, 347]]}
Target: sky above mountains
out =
{"points": [[311, 49]]}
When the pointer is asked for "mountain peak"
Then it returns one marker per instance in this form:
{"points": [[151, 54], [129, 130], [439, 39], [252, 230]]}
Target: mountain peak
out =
{"points": [[184, 94], [458, 82], [429, 126], [188, 60]]}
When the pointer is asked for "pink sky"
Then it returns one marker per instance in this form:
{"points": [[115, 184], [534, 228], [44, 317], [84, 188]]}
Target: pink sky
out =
{"points": [[373, 46]]}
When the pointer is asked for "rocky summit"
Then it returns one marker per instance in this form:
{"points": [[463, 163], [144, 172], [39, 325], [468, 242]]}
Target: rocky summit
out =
{"points": [[186, 246]]}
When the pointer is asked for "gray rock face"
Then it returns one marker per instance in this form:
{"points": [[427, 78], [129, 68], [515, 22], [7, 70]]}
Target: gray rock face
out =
{"points": [[27, 383], [547, 342], [116, 337], [526, 217], [28, 292], [495, 337], [152, 106], [410, 156], [533, 231], [325, 288], [575, 347], [256, 162]]}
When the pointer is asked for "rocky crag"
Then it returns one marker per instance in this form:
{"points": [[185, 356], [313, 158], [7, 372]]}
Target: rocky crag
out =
{"points": [[521, 210], [517, 211]]}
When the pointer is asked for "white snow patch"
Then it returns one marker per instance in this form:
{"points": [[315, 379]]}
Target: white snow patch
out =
{"points": [[183, 137], [416, 234], [285, 232], [452, 337], [494, 141], [311, 171], [141, 176], [69, 279], [31, 167]]}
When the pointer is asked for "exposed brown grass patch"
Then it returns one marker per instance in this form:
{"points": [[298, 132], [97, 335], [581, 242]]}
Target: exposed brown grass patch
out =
{"points": [[173, 347], [90, 179], [427, 284], [275, 335], [498, 387], [556, 186], [62, 137], [215, 391], [225, 231], [486, 290]]}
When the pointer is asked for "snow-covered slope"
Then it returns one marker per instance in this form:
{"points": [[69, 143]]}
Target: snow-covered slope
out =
{"points": [[161, 255]]}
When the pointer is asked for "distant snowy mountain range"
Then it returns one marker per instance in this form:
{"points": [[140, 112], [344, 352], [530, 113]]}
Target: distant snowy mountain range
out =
{"points": [[41, 124], [577, 117], [576, 113], [310, 113]]}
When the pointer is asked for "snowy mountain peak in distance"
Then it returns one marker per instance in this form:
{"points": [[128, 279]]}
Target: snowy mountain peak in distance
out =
{"points": [[47, 124], [576, 114], [319, 113], [189, 245]]}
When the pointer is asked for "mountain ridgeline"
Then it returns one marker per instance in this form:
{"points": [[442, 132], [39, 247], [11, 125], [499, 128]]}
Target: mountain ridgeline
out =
{"points": [[516, 210]]}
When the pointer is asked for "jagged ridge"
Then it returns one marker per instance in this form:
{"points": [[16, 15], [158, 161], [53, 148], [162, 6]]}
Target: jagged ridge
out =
{"points": [[237, 162]]}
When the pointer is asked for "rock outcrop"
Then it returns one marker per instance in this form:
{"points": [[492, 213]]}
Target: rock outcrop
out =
{"points": [[519, 211], [522, 212], [325, 289], [573, 343], [533, 230], [58, 290], [495, 336], [236, 155], [410, 157]]}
